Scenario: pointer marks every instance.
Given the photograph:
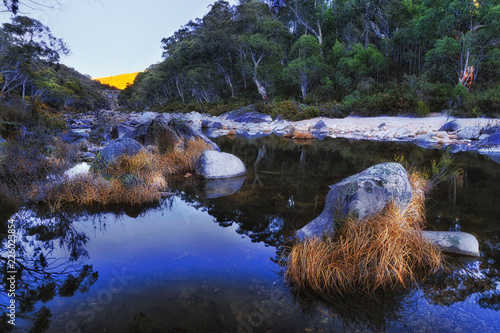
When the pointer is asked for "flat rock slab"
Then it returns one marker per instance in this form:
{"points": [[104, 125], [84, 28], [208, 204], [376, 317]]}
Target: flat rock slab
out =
{"points": [[215, 165], [455, 242]]}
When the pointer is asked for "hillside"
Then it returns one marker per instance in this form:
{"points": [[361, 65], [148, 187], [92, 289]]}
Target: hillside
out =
{"points": [[118, 81]]}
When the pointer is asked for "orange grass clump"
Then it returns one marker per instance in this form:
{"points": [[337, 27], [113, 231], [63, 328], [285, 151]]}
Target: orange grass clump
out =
{"points": [[181, 161], [381, 251], [303, 136], [132, 180]]}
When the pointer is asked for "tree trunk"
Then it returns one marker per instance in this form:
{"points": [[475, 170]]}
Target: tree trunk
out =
{"points": [[261, 88]]}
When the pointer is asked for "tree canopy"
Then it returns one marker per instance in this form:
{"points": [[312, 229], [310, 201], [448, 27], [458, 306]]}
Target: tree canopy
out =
{"points": [[29, 67], [350, 52]]}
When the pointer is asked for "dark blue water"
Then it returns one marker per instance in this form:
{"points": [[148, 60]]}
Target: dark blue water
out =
{"points": [[195, 263]]}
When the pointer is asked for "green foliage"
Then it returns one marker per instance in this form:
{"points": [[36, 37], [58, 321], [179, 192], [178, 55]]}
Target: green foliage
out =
{"points": [[288, 109], [52, 121], [377, 58], [29, 69], [423, 109]]}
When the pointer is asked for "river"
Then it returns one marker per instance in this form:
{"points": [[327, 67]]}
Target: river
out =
{"points": [[208, 261]]}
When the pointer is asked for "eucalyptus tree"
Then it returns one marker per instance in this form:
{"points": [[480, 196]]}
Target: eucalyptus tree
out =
{"points": [[305, 16], [259, 43], [25, 43], [306, 66], [468, 37], [22, 6], [217, 36]]}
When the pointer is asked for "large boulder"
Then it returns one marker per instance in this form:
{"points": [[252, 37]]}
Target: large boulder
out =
{"points": [[155, 132], [214, 165], [492, 140], [187, 132], [119, 131], [247, 115], [212, 124], [460, 243], [451, 126], [167, 134], [361, 195], [470, 132], [115, 149]]}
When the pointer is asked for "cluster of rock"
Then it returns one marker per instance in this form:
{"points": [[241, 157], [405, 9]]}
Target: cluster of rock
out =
{"points": [[152, 132], [367, 193], [482, 135]]}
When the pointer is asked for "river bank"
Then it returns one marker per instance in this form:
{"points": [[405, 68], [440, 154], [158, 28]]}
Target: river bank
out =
{"points": [[459, 134]]}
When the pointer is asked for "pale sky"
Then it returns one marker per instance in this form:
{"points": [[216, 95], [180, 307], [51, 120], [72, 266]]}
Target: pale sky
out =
{"points": [[109, 37]]}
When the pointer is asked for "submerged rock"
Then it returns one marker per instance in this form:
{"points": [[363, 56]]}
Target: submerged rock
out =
{"points": [[460, 243], [115, 149], [214, 165], [361, 195]]}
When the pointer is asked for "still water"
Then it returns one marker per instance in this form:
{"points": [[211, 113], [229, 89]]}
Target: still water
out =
{"points": [[206, 259]]}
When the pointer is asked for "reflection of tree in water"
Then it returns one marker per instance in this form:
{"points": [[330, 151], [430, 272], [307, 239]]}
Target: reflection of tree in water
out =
{"points": [[286, 182], [49, 258], [48, 263], [285, 170], [464, 279]]}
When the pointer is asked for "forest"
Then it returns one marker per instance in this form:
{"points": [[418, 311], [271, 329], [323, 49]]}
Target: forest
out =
{"points": [[303, 58], [32, 77]]}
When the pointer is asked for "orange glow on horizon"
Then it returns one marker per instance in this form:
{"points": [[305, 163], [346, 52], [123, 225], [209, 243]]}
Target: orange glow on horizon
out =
{"points": [[120, 81]]}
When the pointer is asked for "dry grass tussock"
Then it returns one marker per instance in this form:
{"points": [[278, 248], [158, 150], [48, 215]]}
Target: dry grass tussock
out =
{"points": [[131, 180], [379, 252], [181, 161]]}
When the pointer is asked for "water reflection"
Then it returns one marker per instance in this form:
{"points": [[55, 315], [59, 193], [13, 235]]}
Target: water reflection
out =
{"points": [[45, 261], [207, 260]]}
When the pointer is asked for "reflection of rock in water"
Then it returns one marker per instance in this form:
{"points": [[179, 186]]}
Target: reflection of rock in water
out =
{"points": [[360, 311], [495, 158], [216, 188]]}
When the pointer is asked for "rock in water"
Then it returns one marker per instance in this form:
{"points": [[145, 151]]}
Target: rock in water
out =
{"points": [[115, 149], [460, 243], [214, 165], [492, 140], [361, 195]]}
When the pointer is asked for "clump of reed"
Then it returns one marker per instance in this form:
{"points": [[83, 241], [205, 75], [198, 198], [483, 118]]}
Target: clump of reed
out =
{"points": [[179, 161], [383, 251], [130, 180], [91, 189]]}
